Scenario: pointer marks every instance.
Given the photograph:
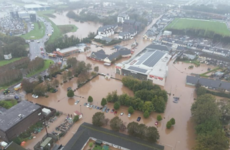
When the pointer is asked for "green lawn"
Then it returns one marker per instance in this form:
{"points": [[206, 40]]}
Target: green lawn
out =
{"points": [[46, 66], [8, 103], [57, 33], [5, 62], [215, 26], [67, 28], [205, 74], [36, 33]]}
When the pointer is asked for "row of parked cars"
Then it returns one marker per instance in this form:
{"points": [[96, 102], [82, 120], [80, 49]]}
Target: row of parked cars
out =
{"points": [[105, 109]]}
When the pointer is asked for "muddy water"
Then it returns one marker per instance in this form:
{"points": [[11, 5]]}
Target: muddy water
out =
{"points": [[83, 28], [179, 137]]}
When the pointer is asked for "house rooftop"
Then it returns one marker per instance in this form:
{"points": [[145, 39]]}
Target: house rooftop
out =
{"points": [[17, 113], [13, 146], [86, 131]]}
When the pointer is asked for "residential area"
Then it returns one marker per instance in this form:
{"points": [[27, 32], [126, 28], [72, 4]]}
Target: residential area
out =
{"points": [[110, 75]]}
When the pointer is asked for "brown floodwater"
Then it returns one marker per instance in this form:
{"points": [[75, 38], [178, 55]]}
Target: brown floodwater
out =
{"points": [[179, 137], [83, 28]]}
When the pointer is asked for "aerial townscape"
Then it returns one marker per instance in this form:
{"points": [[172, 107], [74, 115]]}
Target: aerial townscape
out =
{"points": [[114, 74]]}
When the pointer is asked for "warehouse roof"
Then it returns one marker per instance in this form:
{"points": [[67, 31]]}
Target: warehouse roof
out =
{"points": [[16, 114], [85, 131]]}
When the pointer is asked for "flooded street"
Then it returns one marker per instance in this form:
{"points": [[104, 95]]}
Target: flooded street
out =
{"points": [[179, 137]]}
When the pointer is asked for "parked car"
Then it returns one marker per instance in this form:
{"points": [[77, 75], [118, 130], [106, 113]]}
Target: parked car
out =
{"points": [[112, 110], [85, 104], [77, 101], [107, 110], [122, 114], [104, 109], [129, 115], [115, 112], [69, 88], [90, 106], [16, 97], [35, 96], [138, 119]]}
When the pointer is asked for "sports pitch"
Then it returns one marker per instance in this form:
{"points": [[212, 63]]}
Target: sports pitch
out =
{"points": [[215, 26]]}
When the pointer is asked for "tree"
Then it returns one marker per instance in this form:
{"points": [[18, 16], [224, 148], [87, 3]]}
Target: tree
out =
{"points": [[90, 99], [40, 79], [152, 134], [76, 118], [116, 105], [130, 110], [172, 120], [71, 61], [98, 119], [148, 106], [64, 76], [169, 125], [216, 139], [159, 104], [70, 93], [205, 109], [40, 90], [96, 68], [116, 123], [103, 102], [159, 118], [55, 83], [28, 86], [132, 128], [69, 74], [89, 66], [146, 114], [201, 91]]}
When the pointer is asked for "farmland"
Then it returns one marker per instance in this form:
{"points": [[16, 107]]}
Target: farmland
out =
{"points": [[206, 25]]}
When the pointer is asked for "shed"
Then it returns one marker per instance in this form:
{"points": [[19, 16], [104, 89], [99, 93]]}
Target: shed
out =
{"points": [[46, 111]]}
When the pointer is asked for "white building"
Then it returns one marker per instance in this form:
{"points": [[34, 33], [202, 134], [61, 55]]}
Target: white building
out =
{"points": [[122, 17], [124, 35], [149, 64], [106, 31]]}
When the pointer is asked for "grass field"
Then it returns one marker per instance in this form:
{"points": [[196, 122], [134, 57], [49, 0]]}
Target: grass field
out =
{"points": [[46, 66], [36, 33], [8, 103], [67, 28], [215, 26], [57, 33], [5, 62]]}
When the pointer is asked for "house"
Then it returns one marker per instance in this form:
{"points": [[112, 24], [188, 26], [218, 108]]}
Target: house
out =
{"points": [[208, 83], [122, 17], [188, 56], [99, 55], [66, 51], [100, 135], [13, 146], [105, 31], [116, 55], [124, 35]]}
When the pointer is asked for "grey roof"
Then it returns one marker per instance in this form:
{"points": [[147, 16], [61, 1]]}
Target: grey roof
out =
{"points": [[124, 33], [106, 27], [158, 47], [144, 57], [137, 69], [99, 55], [115, 55], [85, 131], [215, 84], [154, 58], [10, 117]]}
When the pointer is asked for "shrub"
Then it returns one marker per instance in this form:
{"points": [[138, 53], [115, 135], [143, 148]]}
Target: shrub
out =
{"points": [[159, 118]]}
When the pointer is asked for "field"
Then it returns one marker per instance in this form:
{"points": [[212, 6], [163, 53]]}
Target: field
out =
{"points": [[67, 28], [5, 62], [57, 32], [215, 26], [48, 62], [36, 33]]}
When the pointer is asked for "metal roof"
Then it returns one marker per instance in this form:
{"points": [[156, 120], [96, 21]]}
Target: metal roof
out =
{"points": [[137, 69], [10, 117], [154, 58]]}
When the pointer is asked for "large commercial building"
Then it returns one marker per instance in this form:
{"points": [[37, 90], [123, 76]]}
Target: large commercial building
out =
{"points": [[27, 15], [150, 64], [107, 138], [36, 7], [18, 118]]}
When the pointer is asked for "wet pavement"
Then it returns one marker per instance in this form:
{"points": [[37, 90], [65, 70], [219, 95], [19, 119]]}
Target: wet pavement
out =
{"points": [[179, 137]]}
